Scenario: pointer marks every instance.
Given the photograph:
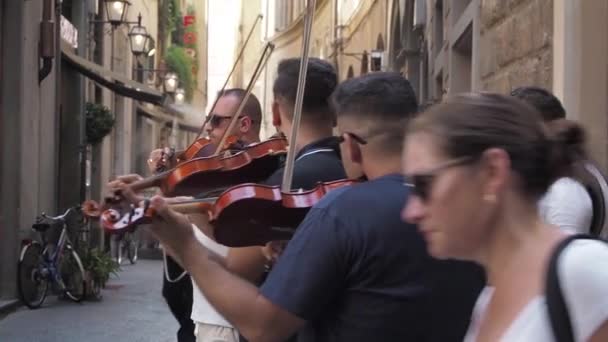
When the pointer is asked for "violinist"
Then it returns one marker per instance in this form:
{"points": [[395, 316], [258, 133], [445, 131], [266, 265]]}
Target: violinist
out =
{"points": [[186, 302], [247, 129], [353, 270], [318, 154]]}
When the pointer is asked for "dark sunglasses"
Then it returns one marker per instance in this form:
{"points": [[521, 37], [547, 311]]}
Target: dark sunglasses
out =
{"points": [[216, 120], [421, 183], [355, 137]]}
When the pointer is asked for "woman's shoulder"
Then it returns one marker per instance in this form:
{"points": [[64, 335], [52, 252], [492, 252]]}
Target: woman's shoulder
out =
{"points": [[568, 187], [584, 257], [583, 275]]}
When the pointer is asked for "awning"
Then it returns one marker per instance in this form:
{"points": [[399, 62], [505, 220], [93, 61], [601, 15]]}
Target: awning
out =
{"points": [[167, 115], [112, 80]]}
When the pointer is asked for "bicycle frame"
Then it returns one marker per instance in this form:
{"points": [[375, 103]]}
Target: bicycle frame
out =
{"points": [[53, 259]]}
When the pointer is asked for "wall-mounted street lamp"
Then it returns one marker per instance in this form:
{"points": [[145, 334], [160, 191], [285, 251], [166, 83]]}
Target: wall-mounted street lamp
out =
{"points": [[139, 38], [116, 11], [171, 82], [180, 96]]}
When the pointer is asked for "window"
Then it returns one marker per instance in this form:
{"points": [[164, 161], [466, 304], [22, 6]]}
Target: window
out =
{"points": [[461, 70], [438, 28], [350, 73]]}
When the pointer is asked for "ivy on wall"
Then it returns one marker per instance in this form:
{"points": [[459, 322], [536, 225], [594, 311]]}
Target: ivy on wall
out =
{"points": [[179, 62], [178, 56]]}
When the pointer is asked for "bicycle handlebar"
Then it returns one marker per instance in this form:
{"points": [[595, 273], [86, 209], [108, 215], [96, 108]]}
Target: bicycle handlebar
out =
{"points": [[60, 217]]}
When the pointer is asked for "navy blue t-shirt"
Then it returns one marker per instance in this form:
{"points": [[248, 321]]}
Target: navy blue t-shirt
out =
{"points": [[355, 272], [317, 162]]}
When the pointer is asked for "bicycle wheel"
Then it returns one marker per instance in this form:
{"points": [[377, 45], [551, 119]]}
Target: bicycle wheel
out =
{"points": [[72, 275], [32, 281]]}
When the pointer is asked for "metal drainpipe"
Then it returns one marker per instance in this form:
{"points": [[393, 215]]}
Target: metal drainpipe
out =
{"points": [[47, 40], [58, 106]]}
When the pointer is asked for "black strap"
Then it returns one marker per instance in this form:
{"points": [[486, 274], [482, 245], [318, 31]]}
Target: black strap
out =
{"points": [[556, 304]]}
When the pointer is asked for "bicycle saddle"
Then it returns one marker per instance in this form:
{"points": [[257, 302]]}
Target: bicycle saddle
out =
{"points": [[41, 227], [43, 223]]}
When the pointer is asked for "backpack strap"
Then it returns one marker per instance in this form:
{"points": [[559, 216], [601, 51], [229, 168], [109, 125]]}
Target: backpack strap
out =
{"points": [[556, 303]]}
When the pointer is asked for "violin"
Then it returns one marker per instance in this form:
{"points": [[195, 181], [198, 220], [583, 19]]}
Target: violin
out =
{"points": [[251, 163], [254, 214], [202, 147], [254, 163], [115, 222], [244, 215], [91, 209]]}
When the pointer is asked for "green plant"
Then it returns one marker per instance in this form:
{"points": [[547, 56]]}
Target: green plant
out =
{"points": [[99, 264], [99, 122], [178, 61]]}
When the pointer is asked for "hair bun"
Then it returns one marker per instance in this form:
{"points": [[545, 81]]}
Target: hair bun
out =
{"points": [[568, 145], [567, 132]]}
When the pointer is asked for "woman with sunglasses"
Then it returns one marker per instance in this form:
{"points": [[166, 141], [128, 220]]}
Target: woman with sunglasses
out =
{"points": [[477, 165]]}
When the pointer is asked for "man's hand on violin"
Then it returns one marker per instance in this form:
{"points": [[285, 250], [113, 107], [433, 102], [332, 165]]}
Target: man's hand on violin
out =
{"points": [[119, 189], [160, 158]]}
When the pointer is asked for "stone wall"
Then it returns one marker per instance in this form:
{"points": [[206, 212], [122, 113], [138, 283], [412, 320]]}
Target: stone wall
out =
{"points": [[516, 44]]}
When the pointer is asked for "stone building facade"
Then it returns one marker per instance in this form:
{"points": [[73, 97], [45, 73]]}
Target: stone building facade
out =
{"points": [[450, 46], [344, 32]]}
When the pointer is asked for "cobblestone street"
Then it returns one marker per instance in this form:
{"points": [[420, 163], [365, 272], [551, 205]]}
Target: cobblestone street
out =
{"points": [[132, 310]]}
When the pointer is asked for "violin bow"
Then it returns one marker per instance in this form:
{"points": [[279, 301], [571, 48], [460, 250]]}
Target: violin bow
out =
{"points": [[297, 111], [266, 53], [236, 62]]}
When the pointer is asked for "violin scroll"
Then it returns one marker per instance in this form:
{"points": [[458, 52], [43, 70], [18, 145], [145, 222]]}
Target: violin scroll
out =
{"points": [[91, 208]]}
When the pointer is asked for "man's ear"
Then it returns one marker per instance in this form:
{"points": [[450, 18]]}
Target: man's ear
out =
{"points": [[353, 149], [245, 125], [276, 114]]}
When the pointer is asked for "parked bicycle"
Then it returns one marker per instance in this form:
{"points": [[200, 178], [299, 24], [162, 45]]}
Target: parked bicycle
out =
{"points": [[127, 246], [43, 262]]}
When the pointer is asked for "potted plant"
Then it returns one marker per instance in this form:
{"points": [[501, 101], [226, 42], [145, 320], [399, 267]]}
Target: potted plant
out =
{"points": [[99, 122], [98, 267]]}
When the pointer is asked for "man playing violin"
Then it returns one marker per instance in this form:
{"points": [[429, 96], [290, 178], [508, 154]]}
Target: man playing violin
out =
{"points": [[186, 302], [248, 126], [317, 151], [353, 270]]}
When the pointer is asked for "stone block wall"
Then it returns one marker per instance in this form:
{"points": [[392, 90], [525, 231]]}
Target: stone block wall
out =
{"points": [[516, 44]]}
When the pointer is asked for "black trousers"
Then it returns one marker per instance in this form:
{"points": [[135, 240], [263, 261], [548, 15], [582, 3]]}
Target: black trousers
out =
{"points": [[178, 296]]}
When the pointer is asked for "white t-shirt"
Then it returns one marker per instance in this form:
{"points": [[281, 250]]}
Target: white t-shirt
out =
{"points": [[567, 205], [202, 310], [583, 275]]}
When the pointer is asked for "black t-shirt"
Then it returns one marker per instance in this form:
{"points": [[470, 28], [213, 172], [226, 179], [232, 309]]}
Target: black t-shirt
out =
{"points": [[316, 162], [355, 272]]}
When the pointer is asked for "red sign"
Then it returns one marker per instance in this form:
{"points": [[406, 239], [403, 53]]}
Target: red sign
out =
{"points": [[189, 20], [189, 38]]}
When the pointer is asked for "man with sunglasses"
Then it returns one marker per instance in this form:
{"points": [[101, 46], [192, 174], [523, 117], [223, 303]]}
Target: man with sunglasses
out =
{"points": [[353, 270], [194, 314], [248, 126]]}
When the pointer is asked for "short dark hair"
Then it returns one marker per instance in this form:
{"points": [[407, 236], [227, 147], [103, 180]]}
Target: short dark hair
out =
{"points": [[466, 125], [321, 80], [386, 100], [252, 108], [544, 101]]}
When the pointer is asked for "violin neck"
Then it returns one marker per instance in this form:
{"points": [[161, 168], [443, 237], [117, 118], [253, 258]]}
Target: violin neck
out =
{"points": [[193, 207], [149, 182]]}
